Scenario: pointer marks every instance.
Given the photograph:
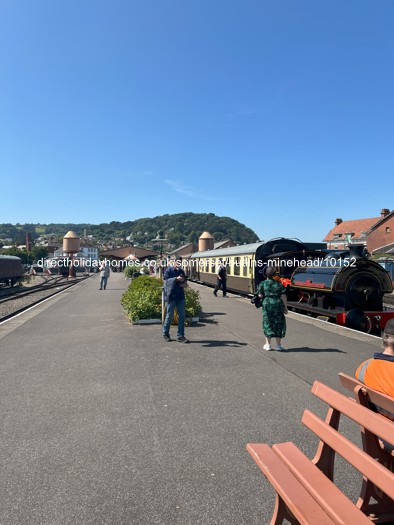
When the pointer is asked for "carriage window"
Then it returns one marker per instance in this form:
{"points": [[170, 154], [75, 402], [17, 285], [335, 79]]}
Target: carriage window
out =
{"points": [[207, 265], [245, 264], [237, 265]]}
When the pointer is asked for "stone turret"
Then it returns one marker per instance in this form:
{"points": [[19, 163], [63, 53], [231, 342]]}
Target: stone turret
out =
{"points": [[205, 242]]}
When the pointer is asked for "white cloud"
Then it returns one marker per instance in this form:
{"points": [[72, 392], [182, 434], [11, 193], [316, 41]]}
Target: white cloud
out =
{"points": [[189, 191]]}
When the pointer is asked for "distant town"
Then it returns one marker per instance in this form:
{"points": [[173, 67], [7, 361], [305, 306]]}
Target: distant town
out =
{"points": [[176, 234]]}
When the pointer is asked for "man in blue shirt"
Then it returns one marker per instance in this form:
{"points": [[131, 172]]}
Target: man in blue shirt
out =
{"points": [[174, 297]]}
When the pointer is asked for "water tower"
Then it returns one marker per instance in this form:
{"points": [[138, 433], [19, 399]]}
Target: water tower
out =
{"points": [[71, 246], [205, 242]]}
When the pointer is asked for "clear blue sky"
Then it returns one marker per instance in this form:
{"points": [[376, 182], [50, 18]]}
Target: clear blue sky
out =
{"points": [[279, 114]]}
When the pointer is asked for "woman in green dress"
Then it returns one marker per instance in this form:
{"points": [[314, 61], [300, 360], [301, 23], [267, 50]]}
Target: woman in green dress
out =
{"points": [[274, 303]]}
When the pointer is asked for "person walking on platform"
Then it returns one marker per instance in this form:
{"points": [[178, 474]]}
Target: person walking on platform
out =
{"points": [[174, 297], [104, 275], [221, 280], [274, 307], [378, 371]]}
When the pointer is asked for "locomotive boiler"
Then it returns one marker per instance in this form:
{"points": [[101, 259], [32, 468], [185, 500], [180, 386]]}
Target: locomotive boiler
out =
{"points": [[348, 288]]}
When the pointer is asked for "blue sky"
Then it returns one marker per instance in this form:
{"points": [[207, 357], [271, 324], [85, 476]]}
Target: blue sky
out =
{"points": [[277, 114]]}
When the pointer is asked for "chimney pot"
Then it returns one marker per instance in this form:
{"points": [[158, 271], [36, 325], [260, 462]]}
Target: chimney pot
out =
{"points": [[384, 212], [338, 221]]}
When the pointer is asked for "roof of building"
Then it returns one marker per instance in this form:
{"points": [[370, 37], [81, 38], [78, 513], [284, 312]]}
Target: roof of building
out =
{"points": [[357, 227], [220, 244], [191, 246], [122, 253], [232, 250], [381, 221], [206, 235]]}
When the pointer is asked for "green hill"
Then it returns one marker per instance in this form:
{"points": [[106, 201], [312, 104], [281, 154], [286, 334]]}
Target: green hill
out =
{"points": [[180, 228]]}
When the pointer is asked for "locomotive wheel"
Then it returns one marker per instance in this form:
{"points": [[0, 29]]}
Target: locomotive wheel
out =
{"points": [[364, 292], [357, 320]]}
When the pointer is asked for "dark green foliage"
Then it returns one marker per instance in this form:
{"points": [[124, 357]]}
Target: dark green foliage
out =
{"points": [[143, 299], [193, 305], [37, 253], [178, 229]]}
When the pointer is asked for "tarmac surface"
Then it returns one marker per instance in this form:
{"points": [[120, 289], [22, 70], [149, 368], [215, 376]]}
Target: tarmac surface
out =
{"points": [[103, 422]]}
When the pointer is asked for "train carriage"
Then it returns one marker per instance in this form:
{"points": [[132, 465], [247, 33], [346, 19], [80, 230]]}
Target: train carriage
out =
{"points": [[11, 270], [240, 262], [345, 287], [245, 263]]}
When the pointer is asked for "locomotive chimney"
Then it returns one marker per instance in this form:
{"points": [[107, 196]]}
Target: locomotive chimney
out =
{"points": [[384, 212], [338, 222], [358, 251]]}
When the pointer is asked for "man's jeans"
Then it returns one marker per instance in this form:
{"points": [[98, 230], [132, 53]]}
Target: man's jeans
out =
{"points": [[180, 306], [103, 282]]}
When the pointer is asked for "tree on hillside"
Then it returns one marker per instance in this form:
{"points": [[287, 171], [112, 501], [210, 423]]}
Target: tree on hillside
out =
{"points": [[179, 228]]}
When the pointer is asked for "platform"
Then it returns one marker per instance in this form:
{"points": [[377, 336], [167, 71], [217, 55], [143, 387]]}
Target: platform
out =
{"points": [[103, 422]]}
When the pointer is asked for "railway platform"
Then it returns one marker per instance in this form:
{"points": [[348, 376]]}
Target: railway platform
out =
{"points": [[103, 422]]}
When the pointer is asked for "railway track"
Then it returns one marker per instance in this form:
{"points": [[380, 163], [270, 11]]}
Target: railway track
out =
{"points": [[15, 301]]}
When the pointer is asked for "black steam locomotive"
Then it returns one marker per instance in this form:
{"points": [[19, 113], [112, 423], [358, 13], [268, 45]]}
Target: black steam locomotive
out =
{"points": [[346, 287]]}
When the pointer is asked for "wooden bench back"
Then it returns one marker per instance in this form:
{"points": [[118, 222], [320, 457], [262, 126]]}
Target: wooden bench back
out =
{"points": [[365, 394], [378, 474]]}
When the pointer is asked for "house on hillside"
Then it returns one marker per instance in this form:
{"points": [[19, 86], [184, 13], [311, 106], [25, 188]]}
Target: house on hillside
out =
{"points": [[361, 231]]}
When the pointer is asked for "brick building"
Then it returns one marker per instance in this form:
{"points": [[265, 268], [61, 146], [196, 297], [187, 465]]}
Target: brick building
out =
{"points": [[376, 233], [380, 238]]}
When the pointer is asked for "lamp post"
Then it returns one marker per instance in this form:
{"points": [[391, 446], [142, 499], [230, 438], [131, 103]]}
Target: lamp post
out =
{"points": [[161, 240]]}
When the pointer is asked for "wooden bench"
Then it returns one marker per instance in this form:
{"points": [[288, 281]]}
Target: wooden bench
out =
{"points": [[384, 405], [368, 397], [305, 491]]}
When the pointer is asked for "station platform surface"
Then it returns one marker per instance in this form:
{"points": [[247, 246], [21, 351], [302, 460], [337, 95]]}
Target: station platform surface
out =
{"points": [[103, 422]]}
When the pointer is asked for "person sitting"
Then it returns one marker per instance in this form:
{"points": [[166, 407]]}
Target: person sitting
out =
{"points": [[378, 372]]}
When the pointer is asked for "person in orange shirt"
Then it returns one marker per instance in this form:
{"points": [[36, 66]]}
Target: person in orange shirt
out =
{"points": [[378, 372]]}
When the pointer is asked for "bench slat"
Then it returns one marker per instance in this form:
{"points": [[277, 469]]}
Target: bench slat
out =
{"points": [[375, 423], [377, 398], [296, 497], [328, 495], [368, 466]]}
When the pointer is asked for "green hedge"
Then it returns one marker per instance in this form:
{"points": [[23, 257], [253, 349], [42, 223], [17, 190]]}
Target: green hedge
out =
{"points": [[129, 271], [142, 299], [193, 305]]}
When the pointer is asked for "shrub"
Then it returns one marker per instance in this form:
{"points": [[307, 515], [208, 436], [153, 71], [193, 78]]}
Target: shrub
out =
{"points": [[193, 305], [131, 271], [142, 299]]}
